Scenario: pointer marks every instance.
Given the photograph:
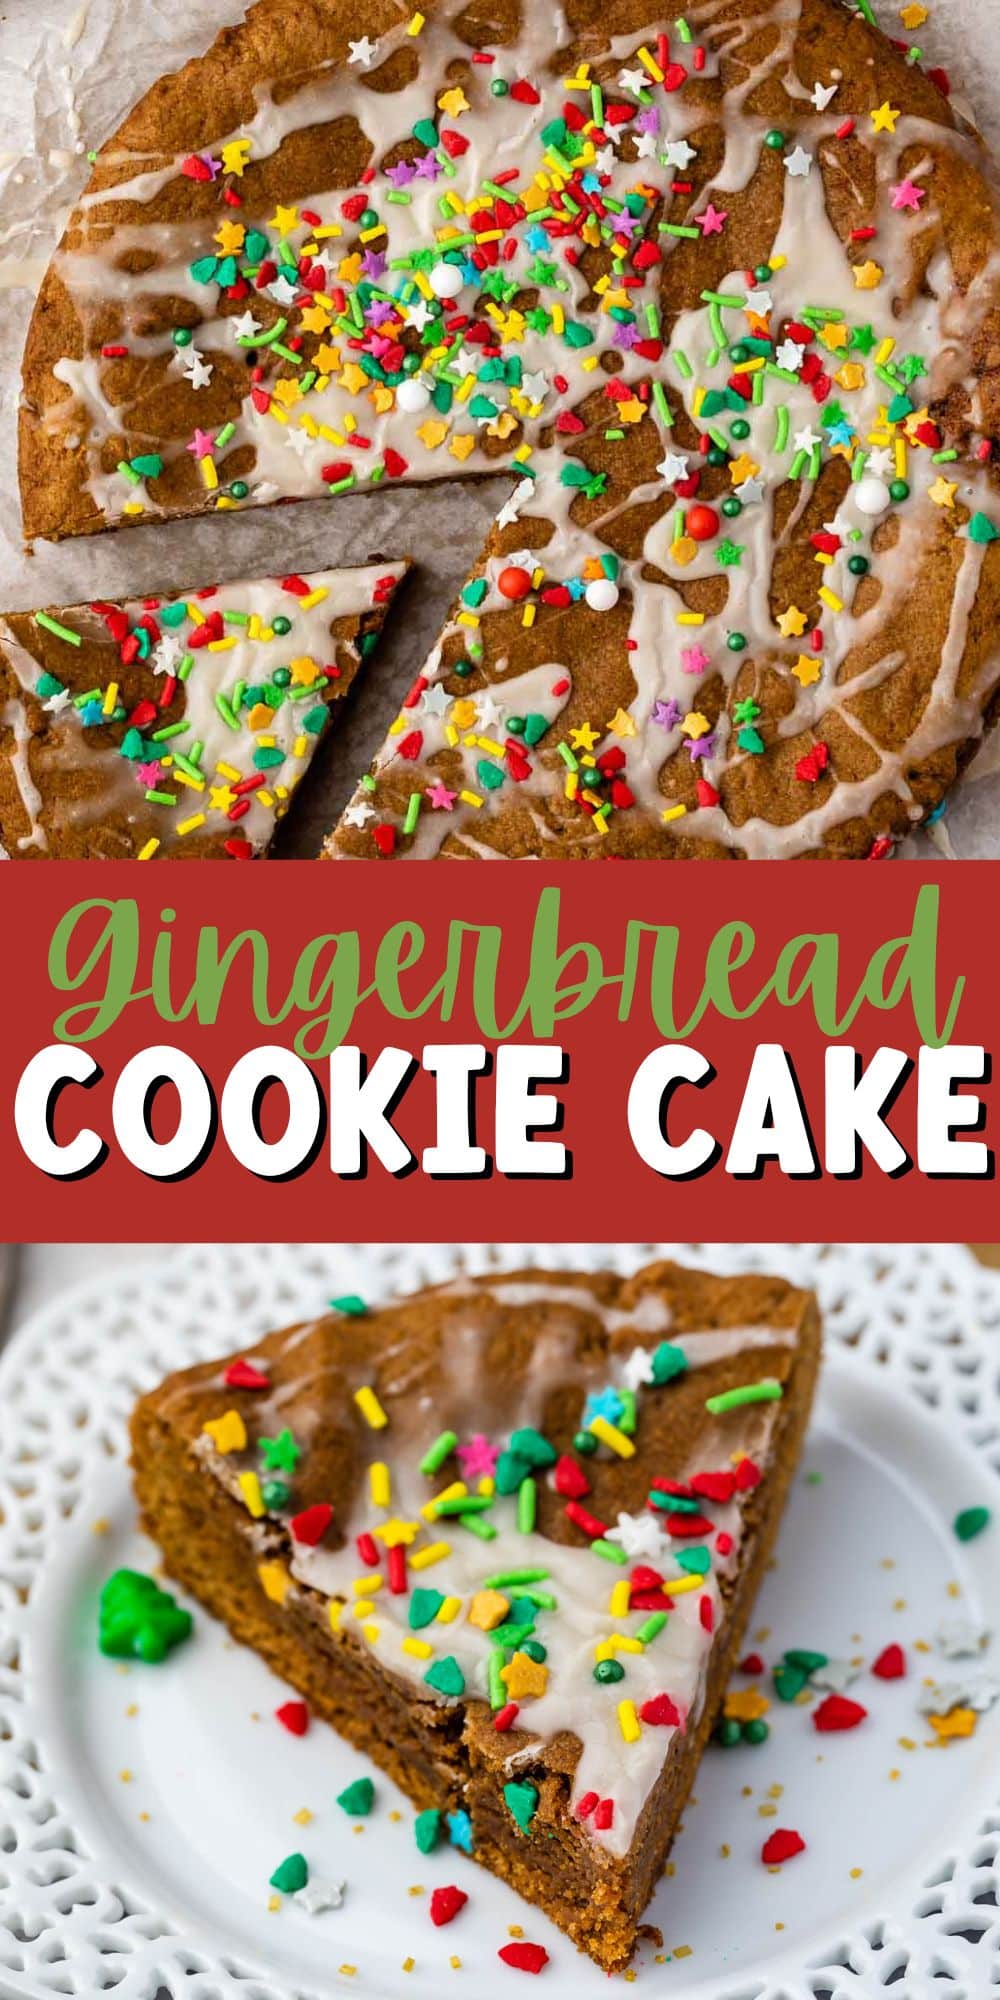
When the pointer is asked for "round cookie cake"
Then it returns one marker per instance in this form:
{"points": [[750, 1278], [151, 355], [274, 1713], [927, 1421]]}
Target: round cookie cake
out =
{"points": [[720, 291]]}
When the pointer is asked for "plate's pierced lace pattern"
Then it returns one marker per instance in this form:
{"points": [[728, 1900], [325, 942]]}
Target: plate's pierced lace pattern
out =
{"points": [[69, 1924]]}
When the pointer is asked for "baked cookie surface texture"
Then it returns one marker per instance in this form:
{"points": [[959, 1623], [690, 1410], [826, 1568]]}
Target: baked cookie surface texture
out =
{"points": [[719, 291]]}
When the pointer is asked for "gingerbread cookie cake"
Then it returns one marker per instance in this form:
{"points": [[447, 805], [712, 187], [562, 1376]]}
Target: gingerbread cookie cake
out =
{"points": [[505, 1536], [720, 290], [176, 728]]}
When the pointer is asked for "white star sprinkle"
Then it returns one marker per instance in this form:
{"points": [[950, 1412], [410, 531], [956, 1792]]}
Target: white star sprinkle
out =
{"points": [[418, 314], [638, 1535], [435, 700], [638, 1369], [673, 467], [166, 653], [645, 146], [281, 291], [487, 711], [511, 509], [789, 355], [807, 440], [358, 813], [361, 53], [604, 160], [195, 368], [298, 440], [960, 1638], [759, 302], [318, 1896], [798, 163], [751, 490], [677, 153], [633, 80], [535, 385], [57, 702], [880, 462], [822, 93], [244, 326]]}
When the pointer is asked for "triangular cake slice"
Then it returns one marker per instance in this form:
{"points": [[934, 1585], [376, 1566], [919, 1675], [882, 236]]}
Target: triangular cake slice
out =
{"points": [[719, 291], [504, 1536], [178, 727]]}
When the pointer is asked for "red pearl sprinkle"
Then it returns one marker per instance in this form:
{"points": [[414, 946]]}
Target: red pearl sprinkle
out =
{"points": [[293, 1716], [514, 583], [781, 1845], [446, 1903], [838, 1712], [701, 522], [753, 1664]]}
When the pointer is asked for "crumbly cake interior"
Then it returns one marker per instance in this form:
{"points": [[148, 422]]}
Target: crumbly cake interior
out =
{"points": [[504, 1536], [719, 290]]}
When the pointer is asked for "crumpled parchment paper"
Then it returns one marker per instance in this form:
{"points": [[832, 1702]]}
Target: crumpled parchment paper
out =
{"points": [[69, 71]]}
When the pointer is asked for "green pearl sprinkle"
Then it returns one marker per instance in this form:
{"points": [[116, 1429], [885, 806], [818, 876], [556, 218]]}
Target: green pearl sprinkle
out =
{"points": [[281, 625], [239, 489], [737, 642], [858, 565], [775, 140], [607, 1671], [899, 490], [585, 1443], [732, 506], [181, 336]]}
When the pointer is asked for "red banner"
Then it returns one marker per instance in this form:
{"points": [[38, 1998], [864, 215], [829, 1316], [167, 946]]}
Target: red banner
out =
{"points": [[424, 1052]]}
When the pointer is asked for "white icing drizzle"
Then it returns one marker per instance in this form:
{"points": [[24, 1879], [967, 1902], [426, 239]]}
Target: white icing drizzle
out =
{"points": [[661, 722]]}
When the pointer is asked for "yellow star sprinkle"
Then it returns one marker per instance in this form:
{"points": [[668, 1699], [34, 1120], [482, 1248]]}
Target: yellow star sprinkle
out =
{"points": [[229, 237], [742, 468], [746, 1704], [622, 724], [943, 492], [524, 1676], [454, 102], [960, 1722], [850, 376], [284, 220], [395, 1533], [462, 443], [884, 119], [353, 379], [221, 798], [235, 156], [868, 275], [792, 623], [834, 335], [807, 669], [585, 738], [316, 318], [228, 1433], [432, 433], [695, 724], [914, 15], [488, 1608], [304, 671]]}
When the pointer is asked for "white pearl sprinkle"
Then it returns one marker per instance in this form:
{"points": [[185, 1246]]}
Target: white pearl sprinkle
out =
{"points": [[872, 496], [412, 395], [446, 281], [602, 594]]}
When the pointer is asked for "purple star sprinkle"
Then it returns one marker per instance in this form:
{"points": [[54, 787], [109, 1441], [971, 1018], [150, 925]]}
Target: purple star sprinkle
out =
{"points": [[666, 714]]}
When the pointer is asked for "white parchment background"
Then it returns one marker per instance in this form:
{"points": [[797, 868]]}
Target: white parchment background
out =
{"points": [[69, 70]]}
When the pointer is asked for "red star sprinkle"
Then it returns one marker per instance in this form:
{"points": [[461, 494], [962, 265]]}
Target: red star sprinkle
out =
{"points": [[660, 1708]]}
